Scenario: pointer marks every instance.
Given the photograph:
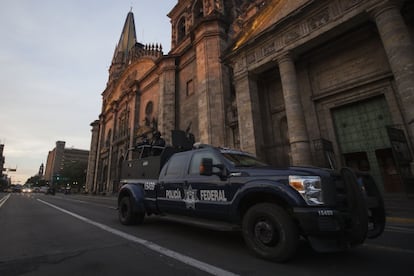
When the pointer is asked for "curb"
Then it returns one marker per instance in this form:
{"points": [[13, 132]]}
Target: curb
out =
{"points": [[400, 220]]}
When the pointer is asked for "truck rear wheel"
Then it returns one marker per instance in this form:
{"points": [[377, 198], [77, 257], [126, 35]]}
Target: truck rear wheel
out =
{"points": [[126, 214], [269, 232]]}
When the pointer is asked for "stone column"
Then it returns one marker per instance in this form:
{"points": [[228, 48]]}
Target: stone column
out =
{"points": [[98, 165], [109, 181], [167, 104], [212, 84], [248, 110], [298, 135], [399, 48], [133, 105], [92, 158]]}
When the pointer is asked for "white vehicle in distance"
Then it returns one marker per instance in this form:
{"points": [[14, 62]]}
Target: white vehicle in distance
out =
{"points": [[27, 189]]}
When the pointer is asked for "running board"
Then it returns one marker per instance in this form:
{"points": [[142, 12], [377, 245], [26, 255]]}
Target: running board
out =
{"points": [[202, 223]]}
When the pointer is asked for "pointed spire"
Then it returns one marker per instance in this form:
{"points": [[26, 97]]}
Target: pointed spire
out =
{"points": [[128, 37]]}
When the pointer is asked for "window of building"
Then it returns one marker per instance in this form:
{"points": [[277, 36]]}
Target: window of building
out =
{"points": [[190, 88], [181, 29], [149, 109], [198, 10], [123, 124], [108, 138]]}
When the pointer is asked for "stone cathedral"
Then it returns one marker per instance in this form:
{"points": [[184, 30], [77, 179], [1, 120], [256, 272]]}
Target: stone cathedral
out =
{"points": [[298, 82]]}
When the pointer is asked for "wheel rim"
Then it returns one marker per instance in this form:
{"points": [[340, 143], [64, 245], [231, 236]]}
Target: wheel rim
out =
{"points": [[265, 232]]}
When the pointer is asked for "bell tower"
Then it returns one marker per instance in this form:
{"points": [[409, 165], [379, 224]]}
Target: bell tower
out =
{"points": [[200, 38], [127, 41]]}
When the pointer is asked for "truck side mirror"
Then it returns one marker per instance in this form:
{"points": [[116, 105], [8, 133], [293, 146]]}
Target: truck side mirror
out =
{"points": [[206, 167]]}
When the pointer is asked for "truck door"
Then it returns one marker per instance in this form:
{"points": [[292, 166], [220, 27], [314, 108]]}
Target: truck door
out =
{"points": [[170, 190], [206, 196]]}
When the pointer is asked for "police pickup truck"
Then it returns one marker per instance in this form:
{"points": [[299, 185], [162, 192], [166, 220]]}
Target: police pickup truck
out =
{"points": [[274, 208]]}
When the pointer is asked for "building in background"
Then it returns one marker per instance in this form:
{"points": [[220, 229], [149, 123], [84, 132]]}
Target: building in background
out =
{"points": [[3, 177], [2, 160], [324, 83], [61, 162]]}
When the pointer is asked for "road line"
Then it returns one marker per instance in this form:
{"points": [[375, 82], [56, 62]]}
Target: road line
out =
{"points": [[388, 248], [4, 199], [155, 247], [398, 229], [110, 198], [88, 202]]}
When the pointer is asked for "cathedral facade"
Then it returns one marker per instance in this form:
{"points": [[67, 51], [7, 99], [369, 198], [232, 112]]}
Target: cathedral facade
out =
{"points": [[302, 82]]}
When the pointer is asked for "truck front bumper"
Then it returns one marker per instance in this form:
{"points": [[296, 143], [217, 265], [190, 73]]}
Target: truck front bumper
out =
{"points": [[327, 230], [359, 214]]}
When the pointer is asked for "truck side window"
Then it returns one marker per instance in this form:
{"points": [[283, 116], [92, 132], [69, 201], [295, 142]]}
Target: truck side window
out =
{"points": [[176, 165], [196, 161]]}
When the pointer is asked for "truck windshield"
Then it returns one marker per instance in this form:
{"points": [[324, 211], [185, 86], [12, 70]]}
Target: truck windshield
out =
{"points": [[243, 160]]}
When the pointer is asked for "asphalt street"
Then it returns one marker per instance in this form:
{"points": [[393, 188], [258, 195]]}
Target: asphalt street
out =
{"points": [[80, 235]]}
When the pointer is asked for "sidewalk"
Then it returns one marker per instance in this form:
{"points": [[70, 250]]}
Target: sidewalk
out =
{"points": [[399, 208]]}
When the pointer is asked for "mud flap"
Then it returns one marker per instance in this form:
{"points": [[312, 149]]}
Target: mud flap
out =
{"points": [[357, 206], [375, 205]]}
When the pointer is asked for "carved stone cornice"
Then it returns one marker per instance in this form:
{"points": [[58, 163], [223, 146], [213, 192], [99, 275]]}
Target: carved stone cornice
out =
{"points": [[382, 6], [285, 57], [295, 30]]}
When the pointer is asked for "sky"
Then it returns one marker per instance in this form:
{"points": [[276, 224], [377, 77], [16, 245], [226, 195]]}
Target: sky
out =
{"points": [[54, 61]]}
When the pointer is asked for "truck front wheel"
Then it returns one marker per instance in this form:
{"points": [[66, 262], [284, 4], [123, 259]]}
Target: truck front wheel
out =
{"points": [[126, 214], [269, 232]]}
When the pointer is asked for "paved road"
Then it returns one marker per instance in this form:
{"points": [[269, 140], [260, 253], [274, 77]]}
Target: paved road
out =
{"points": [[80, 235]]}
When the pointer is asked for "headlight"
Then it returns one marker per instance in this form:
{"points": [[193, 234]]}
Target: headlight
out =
{"points": [[309, 187]]}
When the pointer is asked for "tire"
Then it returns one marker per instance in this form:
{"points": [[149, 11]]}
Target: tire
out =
{"points": [[126, 214], [375, 204], [270, 233], [357, 208]]}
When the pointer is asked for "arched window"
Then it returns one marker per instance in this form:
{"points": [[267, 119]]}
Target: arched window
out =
{"points": [[181, 29], [108, 138], [149, 109], [198, 11]]}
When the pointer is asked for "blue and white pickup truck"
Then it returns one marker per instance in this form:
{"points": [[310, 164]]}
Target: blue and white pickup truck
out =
{"points": [[231, 189]]}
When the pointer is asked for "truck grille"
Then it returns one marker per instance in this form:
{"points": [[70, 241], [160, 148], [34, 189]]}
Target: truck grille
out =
{"points": [[339, 193]]}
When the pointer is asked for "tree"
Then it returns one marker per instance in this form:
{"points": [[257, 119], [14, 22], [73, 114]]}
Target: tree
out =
{"points": [[74, 173], [36, 180], [3, 183]]}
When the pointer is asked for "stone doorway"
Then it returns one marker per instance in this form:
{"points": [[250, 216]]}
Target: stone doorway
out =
{"points": [[361, 131]]}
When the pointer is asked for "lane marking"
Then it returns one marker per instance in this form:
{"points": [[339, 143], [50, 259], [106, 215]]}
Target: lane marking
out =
{"points": [[109, 198], [150, 245], [4, 199], [398, 229], [87, 202], [389, 248]]}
